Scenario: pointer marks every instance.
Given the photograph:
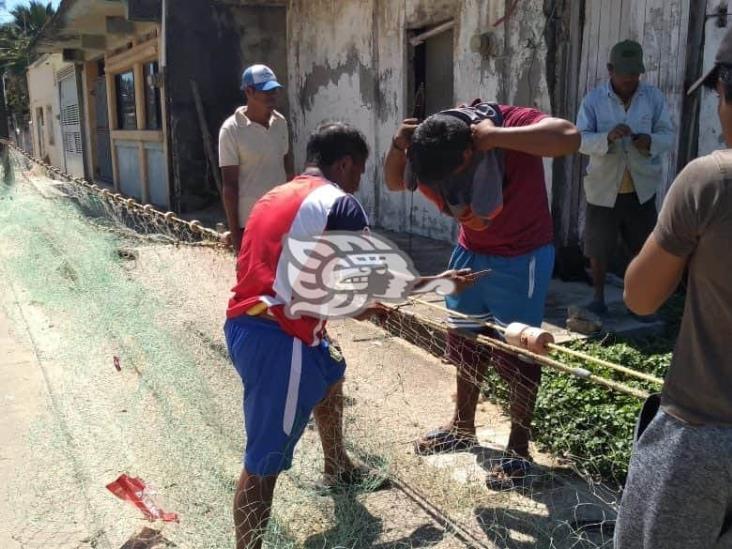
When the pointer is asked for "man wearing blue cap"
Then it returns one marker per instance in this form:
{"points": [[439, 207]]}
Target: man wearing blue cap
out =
{"points": [[253, 148]]}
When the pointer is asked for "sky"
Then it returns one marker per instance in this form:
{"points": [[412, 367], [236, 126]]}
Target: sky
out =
{"points": [[10, 4]]}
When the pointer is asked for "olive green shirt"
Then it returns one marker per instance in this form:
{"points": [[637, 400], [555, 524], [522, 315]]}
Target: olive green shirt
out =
{"points": [[696, 223]]}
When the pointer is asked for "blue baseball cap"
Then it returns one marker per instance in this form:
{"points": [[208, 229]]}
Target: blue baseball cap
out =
{"points": [[260, 77]]}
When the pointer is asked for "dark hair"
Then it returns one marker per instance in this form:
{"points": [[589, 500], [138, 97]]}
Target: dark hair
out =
{"points": [[332, 141], [437, 147], [722, 73]]}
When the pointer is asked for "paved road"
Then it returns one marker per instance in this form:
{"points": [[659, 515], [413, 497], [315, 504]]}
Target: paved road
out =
{"points": [[27, 411]]}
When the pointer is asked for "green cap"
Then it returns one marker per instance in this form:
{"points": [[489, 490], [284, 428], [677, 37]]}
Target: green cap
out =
{"points": [[626, 57]]}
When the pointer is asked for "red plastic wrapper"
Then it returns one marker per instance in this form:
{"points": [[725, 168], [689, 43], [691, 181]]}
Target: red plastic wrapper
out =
{"points": [[134, 490], [117, 364]]}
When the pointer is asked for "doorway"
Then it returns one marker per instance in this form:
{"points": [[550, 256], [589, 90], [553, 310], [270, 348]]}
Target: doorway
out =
{"points": [[71, 122], [103, 165]]}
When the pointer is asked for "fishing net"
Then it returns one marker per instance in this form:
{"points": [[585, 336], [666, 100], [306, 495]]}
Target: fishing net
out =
{"points": [[123, 308]]}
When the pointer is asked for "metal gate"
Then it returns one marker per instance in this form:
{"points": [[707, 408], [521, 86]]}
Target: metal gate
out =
{"points": [[101, 132], [70, 122]]}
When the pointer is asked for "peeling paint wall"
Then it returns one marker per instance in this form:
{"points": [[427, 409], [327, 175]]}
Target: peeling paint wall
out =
{"points": [[333, 74], [348, 60]]}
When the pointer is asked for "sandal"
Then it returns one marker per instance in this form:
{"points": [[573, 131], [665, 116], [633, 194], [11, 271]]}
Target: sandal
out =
{"points": [[361, 479], [507, 471], [442, 441]]}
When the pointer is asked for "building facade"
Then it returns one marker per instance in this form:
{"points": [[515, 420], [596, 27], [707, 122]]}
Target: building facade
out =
{"points": [[44, 76], [116, 92], [157, 78]]}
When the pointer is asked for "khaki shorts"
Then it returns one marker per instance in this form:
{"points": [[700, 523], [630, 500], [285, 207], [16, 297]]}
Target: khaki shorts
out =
{"points": [[629, 219]]}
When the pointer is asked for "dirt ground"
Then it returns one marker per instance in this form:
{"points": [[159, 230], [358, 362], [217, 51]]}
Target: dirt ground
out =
{"points": [[73, 424], [395, 391]]}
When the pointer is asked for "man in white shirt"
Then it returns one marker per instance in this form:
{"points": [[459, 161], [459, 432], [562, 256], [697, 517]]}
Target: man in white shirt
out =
{"points": [[253, 149], [626, 128]]}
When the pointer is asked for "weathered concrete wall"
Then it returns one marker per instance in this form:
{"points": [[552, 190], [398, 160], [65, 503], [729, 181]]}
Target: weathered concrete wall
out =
{"points": [[515, 72], [211, 43], [333, 73], [348, 60]]}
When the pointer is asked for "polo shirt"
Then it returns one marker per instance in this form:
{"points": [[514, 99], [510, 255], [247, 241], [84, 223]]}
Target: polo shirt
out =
{"points": [[258, 151]]}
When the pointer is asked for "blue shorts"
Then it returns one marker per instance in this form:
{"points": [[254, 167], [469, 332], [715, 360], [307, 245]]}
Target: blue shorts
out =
{"points": [[514, 291], [284, 380]]}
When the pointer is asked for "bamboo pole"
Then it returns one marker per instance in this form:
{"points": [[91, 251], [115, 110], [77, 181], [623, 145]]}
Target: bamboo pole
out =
{"points": [[555, 347]]}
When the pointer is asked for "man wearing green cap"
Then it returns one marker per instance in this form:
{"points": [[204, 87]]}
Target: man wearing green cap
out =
{"points": [[626, 127]]}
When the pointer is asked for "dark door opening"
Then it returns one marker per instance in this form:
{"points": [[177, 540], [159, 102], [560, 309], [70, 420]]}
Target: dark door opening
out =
{"points": [[432, 73], [103, 165]]}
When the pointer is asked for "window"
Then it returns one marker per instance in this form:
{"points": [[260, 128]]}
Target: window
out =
{"points": [[431, 73], [49, 124], [125, 91], [152, 97]]}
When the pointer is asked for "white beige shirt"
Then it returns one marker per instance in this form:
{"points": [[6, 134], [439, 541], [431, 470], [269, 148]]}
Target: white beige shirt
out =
{"points": [[258, 151]]}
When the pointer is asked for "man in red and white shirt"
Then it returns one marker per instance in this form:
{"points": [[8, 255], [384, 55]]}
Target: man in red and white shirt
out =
{"points": [[482, 164], [288, 366]]}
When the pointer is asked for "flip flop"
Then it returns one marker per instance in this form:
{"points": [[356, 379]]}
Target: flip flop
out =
{"points": [[506, 472], [358, 479], [443, 441]]}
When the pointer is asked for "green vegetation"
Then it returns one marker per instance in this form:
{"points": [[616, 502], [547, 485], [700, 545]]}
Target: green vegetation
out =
{"points": [[16, 52], [588, 424]]}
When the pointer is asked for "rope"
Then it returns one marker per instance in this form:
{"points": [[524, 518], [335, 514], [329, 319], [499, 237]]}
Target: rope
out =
{"points": [[554, 346], [146, 210]]}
